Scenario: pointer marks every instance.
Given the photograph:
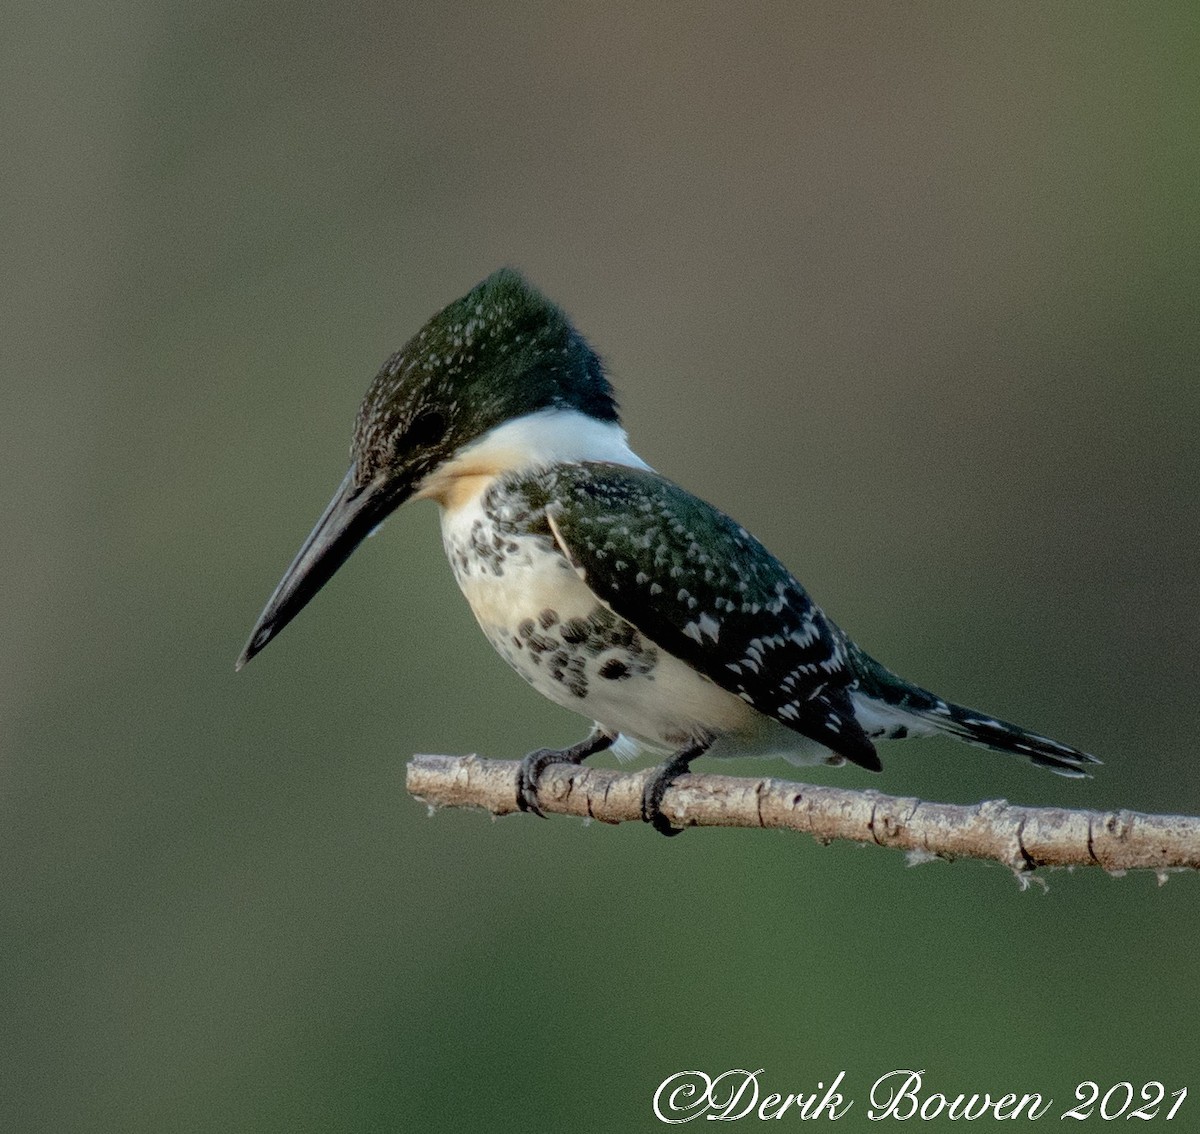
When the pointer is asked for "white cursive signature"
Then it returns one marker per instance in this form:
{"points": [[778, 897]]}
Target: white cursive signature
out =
{"points": [[735, 1094]]}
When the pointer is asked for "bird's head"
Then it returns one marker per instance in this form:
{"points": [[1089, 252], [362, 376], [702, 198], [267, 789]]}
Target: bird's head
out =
{"points": [[498, 354]]}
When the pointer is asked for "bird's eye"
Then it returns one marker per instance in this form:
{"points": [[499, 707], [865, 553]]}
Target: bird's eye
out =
{"points": [[427, 428]]}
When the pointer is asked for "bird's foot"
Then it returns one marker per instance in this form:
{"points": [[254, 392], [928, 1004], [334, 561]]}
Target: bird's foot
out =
{"points": [[536, 762], [532, 767], [664, 776]]}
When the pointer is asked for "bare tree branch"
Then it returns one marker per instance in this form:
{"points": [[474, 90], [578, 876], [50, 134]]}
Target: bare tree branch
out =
{"points": [[1022, 838]]}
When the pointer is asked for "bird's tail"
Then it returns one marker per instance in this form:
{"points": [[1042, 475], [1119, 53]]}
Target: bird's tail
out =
{"points": [[890, 708]]}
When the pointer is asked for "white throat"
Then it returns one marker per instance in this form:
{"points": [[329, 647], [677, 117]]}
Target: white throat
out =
{"points": [[547, 437]]}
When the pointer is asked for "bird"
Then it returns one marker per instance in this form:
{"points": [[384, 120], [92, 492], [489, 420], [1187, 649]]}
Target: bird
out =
{"points": [[611, 590]]}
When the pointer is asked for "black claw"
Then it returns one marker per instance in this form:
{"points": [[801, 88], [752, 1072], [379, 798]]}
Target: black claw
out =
{"points": [[534, 764], [663, 778], [663, 825], [530, 771], [652, 797]]}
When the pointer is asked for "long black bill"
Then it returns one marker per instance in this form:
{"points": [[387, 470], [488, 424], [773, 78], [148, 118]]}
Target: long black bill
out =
{"points": [[352, 515]]}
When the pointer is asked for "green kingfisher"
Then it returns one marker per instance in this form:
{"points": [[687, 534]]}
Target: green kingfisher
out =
{"points": [[611, 590]]}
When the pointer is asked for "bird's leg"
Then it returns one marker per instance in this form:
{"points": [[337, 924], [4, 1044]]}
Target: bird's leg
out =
{"points": [[538, 761], [664, 776]]}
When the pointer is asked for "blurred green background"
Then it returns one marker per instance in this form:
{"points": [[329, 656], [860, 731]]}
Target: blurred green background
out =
{"points": [[909, 289]]}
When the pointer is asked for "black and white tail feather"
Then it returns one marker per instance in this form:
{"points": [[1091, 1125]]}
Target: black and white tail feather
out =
{"points": [[891, 708]]}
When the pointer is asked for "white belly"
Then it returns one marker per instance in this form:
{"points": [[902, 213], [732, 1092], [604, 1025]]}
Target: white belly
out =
{"points": [[549, 626]]}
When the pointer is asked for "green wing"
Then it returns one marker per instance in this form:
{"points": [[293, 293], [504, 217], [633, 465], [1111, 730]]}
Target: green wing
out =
{"points": [[697, 584]]}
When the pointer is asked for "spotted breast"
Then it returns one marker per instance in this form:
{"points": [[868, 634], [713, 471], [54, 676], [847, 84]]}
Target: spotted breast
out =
{"points": [[546, 622]]}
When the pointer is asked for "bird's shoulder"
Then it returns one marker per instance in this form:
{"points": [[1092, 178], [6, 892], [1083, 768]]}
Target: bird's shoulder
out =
{"points": [[640, 524]]}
